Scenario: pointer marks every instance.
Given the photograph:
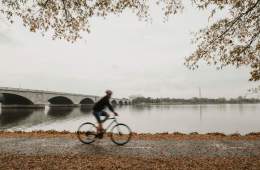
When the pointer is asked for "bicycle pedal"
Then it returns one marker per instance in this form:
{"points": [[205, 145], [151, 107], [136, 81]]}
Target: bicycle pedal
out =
{"points": [[100, 135]]}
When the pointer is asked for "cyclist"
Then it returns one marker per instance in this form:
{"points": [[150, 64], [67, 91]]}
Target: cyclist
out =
{"points": [[98, 110]]}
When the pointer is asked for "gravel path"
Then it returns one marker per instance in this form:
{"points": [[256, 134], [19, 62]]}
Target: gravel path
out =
{"points": [[55, 153], [143, 148]]}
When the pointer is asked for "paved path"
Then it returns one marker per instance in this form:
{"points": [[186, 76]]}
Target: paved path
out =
{"points": [[58, 145]]}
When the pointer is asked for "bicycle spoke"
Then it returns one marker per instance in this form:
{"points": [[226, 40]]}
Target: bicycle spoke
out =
{"points": [[87, 133], [121, 134]]}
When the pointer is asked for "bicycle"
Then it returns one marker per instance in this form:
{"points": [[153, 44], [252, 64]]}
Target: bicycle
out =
{"points": [[120, 133]]}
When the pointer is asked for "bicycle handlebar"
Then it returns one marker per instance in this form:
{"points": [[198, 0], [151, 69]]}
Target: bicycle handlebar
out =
{"points": [[114, 117]]}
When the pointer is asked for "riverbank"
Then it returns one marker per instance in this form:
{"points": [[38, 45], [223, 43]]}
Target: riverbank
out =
{"points": [[62, 150], [141, 136], [195, 100], [183, 103]]}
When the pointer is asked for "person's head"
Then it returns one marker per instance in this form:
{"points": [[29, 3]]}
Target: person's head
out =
{"points": [[109, 93]]}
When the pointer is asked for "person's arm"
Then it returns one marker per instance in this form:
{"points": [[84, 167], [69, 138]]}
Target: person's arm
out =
{"points": [[110, 107]]}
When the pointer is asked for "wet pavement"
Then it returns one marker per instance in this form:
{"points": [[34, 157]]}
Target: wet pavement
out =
{"points": [[143, 148]]}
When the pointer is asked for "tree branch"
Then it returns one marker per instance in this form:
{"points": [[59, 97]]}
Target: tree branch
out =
{"points": [[238, 18], [65, 9], [251, 41], [45, 4], [235, 21]]}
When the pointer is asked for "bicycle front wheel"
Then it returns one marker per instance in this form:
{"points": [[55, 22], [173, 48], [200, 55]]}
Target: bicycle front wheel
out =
{"points": [[121, 134], [87, 133]]}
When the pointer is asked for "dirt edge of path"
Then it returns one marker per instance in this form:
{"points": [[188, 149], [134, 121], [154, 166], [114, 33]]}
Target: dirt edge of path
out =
{"points": [[141, 136]]}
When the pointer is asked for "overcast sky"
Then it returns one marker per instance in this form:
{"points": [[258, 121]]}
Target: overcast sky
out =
{"points": [[121, 53]]}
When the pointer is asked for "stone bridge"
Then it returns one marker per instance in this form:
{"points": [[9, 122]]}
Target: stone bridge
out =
{"points": [[17, 97]]}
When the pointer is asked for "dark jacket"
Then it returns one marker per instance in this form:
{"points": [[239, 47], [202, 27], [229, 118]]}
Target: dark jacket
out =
{"points": [[102, 104]]}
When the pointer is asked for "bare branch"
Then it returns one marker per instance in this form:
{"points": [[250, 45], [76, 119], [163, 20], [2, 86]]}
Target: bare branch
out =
{"points": [[254, 37], [235, 21], [65, 9]]}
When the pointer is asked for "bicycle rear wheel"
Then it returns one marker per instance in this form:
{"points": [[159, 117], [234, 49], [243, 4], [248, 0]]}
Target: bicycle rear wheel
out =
{"points": [[121, 134], [87, 133]]}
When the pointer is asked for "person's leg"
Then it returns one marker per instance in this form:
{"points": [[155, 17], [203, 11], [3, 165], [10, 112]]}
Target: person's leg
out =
{"points": [[100, 128], [105, 114], [97, 116]]}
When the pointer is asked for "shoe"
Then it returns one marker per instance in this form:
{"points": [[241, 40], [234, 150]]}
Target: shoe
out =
{"points": [[100, 135]]}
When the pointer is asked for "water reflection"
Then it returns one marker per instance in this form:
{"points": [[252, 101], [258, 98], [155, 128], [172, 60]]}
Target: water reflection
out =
{"points": [[200, 113], [87, 109], [143, 107], [59, 111], [137, 108], [11, 117], [142, 118]]}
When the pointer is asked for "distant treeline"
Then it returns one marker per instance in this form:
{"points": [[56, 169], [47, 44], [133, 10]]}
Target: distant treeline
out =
{"points": [[194, 100]]}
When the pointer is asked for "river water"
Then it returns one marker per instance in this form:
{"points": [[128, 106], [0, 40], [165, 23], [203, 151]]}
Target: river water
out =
{"points": [[224, 118]]}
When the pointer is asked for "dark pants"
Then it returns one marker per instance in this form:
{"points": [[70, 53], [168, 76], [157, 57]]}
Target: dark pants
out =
{"points": [[98, 114]]}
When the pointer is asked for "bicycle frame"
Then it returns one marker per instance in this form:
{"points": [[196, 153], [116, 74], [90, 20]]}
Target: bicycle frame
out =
{"points": [[111, 123]]}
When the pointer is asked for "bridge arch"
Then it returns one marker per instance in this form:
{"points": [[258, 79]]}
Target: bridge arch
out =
{"points": [[87, 101], [114, 102], [60, 100], [14, 99], [120, 102]]}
